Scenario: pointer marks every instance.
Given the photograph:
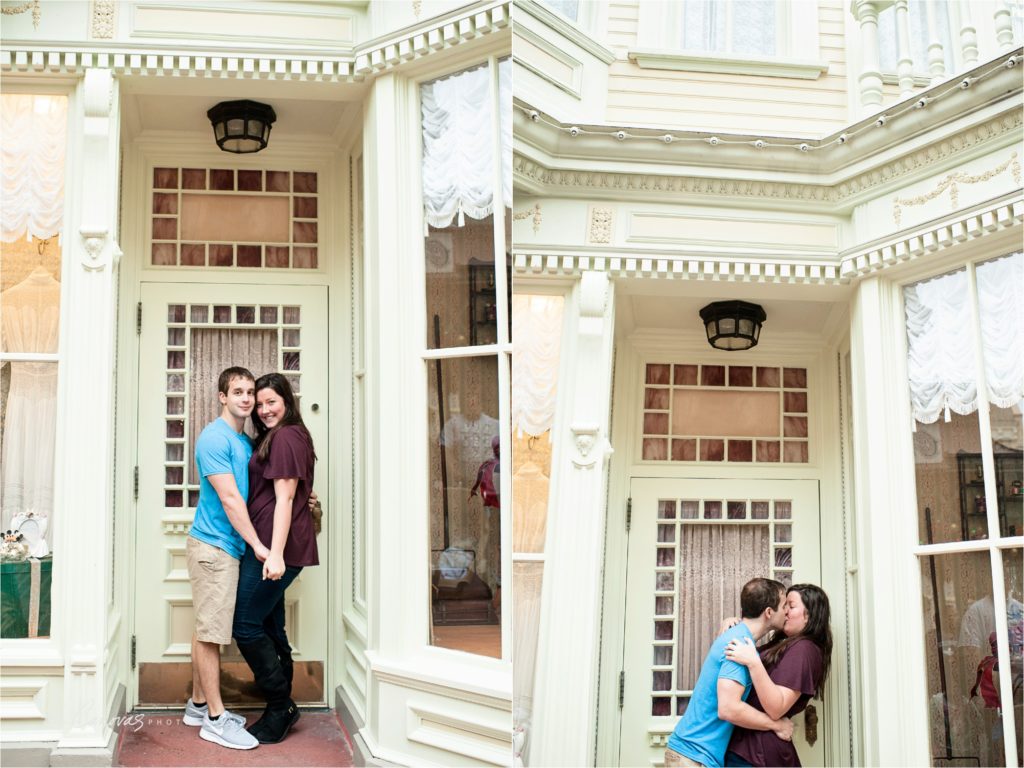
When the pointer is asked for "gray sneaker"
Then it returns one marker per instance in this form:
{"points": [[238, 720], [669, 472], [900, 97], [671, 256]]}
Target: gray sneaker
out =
{"points": [[194, 714], [227, 732]]}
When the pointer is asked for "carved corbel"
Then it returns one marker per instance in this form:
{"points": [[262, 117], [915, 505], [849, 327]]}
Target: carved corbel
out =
{"points": [[94, 239], [590, 446]]}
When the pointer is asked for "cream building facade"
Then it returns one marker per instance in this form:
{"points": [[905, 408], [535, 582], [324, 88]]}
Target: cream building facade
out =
{"points": [[854, 169], [172, 258]]}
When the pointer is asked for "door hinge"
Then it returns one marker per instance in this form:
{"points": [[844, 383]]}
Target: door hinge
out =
{"points": [[138, 318], [135, 483], [629, 513], [133, 653], [622, 688]]}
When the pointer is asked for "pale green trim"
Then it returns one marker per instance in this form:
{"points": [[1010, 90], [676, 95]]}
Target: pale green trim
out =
{"points": [[763, 66]]}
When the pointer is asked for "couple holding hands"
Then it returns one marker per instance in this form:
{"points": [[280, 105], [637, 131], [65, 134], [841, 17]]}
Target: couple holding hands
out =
{"points": [[252, 534]]}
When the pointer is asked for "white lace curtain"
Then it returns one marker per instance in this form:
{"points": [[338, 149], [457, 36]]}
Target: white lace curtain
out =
{"points": [[941, 341], [213, 350], [458, 145], [32, 148], [715, 562], [537, 329]]}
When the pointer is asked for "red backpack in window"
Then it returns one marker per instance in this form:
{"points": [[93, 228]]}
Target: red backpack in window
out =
{"points": [[487, 477]]}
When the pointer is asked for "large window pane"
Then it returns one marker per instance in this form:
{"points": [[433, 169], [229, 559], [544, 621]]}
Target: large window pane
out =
{"points": [[1007, 429], [465, 505], [950, 481], [959, 623], [1013, 575]]}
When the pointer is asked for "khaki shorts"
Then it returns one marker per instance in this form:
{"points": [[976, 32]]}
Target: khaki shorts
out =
{"points": [[674, 760], [214, 577]]}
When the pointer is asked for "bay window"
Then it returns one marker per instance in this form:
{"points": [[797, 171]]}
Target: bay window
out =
{"points": [[965, 366], [33, 152], [467, 186]]}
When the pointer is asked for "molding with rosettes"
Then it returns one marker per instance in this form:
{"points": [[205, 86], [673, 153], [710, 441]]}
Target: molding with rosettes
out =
{"points": [[841, 268], [601, 218], [826, 197], [364, 61]]}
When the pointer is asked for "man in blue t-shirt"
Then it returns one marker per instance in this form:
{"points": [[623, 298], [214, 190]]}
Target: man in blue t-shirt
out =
{"points": [[718, 702], [220, 531]]}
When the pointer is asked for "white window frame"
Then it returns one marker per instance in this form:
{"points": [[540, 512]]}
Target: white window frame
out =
{"points": [[797, 45], [995, 544], [502, 348]]}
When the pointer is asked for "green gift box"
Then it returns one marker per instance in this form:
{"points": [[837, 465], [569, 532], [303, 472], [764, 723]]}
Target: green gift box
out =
{"points": [[25, 597]]}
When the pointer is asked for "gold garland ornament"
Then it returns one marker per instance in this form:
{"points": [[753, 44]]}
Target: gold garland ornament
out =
{"points": [[950, 182], [32, 5]]}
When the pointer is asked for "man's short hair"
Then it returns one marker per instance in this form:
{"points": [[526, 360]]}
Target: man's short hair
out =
{"points": [[234, 372], [758, 594]]}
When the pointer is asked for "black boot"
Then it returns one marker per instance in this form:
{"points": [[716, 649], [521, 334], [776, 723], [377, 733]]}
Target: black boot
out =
{"points": [[281, 713], [284, 654]]}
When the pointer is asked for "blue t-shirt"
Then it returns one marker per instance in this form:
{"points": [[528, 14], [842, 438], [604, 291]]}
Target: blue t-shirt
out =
{"points": [[699, 734], [220, 451]]}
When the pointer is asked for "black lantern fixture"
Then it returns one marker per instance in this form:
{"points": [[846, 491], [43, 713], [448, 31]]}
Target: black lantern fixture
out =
{"points": [[733, 325], [242, 126]]}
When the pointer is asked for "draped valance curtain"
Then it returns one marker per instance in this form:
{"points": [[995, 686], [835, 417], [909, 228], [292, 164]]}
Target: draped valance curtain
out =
{"points": [[458, 145], [32, 148], [941, 339]]}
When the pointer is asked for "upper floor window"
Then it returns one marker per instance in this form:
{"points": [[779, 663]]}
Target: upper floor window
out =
{"points": [[729, 26], [568, 8]]}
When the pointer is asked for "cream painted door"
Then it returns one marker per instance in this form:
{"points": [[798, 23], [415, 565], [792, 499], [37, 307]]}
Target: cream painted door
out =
{"points": [[683, 531], [189, 334]]}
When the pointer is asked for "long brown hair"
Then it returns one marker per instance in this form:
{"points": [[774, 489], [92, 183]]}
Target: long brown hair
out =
{"points": [[817, 631], [292, 417]]}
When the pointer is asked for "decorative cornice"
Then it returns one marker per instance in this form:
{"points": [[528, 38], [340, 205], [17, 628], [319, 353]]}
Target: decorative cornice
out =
{"points": [[369, 60], [834, 197], [843, 267]]}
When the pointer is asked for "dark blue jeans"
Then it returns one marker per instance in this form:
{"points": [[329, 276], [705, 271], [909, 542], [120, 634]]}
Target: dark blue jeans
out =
{"points": [[732, 759], [259, 605]]}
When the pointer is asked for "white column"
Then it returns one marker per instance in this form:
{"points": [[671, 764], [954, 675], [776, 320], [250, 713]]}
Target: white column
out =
{"points": [[936, 60], [968, 35], [870, 80], [85, 437], [893, 679], [1004, 25], [905, 64], [565, 695]]}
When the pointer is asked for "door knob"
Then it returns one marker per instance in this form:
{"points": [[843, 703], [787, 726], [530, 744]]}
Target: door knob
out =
{"points": [[315, 407], [811, 724]]}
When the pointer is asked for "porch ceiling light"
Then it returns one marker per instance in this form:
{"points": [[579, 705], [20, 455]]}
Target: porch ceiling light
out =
{"points": [[733, 325], [242, 126]]}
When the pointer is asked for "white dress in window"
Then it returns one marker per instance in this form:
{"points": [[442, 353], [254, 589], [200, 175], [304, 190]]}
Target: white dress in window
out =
{"points": [[31, 316]]}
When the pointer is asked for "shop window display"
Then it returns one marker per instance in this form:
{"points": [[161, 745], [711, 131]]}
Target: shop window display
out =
{"points": [[466, 123], [966, 384], [30, 291]]}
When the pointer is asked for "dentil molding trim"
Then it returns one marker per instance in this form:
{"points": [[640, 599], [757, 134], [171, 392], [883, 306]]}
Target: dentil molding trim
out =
{"points": [[843, 268], [356, 65]]}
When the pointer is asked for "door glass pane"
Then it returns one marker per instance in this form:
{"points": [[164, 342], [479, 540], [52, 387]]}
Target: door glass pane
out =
{"points": [[213, 350], [464, 499], [1007, 430], [715, 562], [959, 625]]}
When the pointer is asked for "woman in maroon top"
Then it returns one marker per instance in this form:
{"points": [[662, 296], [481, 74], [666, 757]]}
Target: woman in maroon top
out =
{"points": [[280, 484], [791, 668]]}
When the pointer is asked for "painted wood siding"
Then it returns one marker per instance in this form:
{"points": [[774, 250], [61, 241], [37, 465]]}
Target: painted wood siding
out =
{"points": [[728, 103]]}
